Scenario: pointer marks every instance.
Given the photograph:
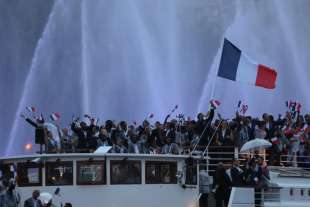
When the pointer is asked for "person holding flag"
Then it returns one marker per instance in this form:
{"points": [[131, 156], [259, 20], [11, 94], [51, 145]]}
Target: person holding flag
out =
{"points": [[203, 124], [40, 132]]}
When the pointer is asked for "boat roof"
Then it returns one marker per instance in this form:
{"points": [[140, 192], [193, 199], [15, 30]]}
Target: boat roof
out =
{"points": [[97, 155]]}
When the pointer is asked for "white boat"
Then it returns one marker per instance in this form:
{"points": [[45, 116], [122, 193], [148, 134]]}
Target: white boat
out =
{"points": [[141, 180], [111, 180]]}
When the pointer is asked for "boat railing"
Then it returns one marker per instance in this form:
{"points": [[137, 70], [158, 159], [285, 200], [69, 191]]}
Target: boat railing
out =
{"points": [[301, 161], [267, 197], [269, 194]]}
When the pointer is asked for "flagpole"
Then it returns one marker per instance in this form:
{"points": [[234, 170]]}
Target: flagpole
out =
{"points": [[216, 70]]}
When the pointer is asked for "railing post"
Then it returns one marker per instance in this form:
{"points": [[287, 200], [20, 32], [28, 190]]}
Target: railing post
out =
{"points": [[262, 197], [208, 161], [236, 154]]}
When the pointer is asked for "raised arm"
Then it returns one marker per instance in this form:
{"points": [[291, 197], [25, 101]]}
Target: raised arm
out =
{"points": [[210, 117], [31, 122]]}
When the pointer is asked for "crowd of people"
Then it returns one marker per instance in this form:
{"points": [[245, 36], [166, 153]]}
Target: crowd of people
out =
{"points": [[289, 135]]}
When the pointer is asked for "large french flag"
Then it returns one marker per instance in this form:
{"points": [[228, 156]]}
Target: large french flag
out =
{"points": [[236, 66]]}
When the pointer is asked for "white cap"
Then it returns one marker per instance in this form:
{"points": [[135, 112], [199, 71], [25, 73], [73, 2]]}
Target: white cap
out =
{"points": [[45, 197]]}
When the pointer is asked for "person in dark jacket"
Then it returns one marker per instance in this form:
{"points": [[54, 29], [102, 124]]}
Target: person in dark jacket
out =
{"points": [[222, 185], [237, 174], [204, 127], [33, 201], [9, 198]]}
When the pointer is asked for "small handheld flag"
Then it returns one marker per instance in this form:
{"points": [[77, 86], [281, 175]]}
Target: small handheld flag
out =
{"points": [[239, 104], [39, 118], [55, 116], [31, 109], [244, 109], [215, 103], [174, 109], [294, 107], [151, 115]]}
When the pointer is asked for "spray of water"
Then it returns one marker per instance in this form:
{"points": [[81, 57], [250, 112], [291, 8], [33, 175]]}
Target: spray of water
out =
{"points": [[84, 69], [288, 26], [30, 78]]}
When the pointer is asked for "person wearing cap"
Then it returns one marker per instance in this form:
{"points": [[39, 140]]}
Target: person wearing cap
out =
{"points": [[33, 201], [68, 205], [46, 199]]}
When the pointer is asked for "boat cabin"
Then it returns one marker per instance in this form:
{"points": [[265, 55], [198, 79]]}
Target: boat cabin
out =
{"points": [[114, 180]]}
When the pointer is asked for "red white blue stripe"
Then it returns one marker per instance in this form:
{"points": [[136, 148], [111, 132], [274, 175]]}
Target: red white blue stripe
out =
{"points": [[55, 116], [236, 66]]}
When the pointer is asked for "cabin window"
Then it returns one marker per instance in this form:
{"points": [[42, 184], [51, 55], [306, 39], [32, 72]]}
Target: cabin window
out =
{"points": [[191, 172], [7, 171], [302, 192], [59, 173], [29, 174], [125, 172], [160, 172], [291, 192], [91, 173]]}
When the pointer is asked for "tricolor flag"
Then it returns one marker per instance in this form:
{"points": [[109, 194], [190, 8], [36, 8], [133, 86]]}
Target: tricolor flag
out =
{"points": [[239, 104], [175, 108], [236, 66], [31, 109], [215, 103], [39, 118], [244, 109], [55, 116], [151, 115]]}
